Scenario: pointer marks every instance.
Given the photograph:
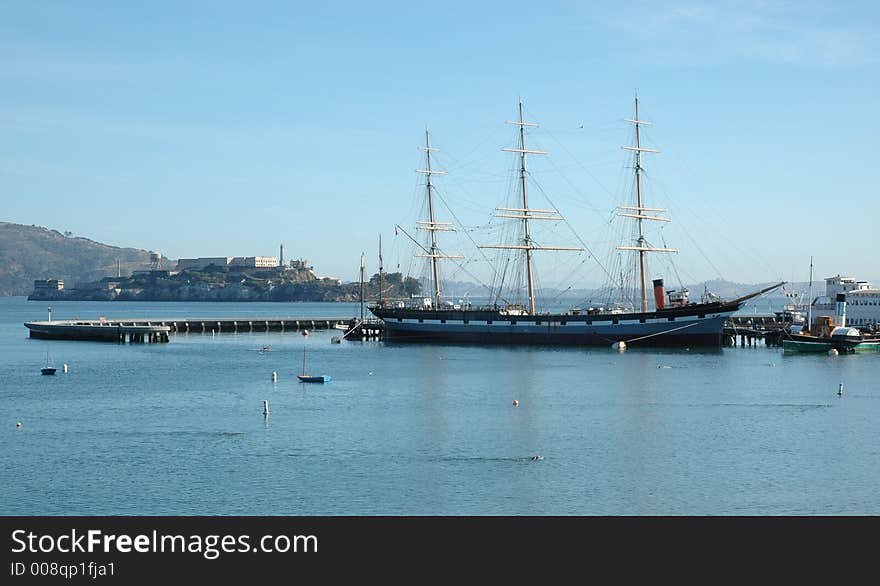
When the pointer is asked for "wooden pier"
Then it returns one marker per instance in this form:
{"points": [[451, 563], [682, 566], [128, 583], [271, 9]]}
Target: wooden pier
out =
{"points": [[751, 330], [159, 330]]}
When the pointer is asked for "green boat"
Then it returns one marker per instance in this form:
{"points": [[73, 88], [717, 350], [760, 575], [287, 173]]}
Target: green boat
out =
{"points": [[844, 344]]}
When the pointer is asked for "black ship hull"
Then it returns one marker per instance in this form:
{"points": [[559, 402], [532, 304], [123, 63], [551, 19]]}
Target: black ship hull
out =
{"points": [[692, 325]]}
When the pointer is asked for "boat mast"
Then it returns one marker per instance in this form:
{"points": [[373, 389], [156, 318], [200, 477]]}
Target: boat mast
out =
{"points": [[642, 244], [527, 238], [810, 299], [380, 270], [432, 225], [362, 290], [525, 213]]}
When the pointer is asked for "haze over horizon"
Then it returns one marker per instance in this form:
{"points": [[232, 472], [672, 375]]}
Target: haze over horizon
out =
{"points": [[211, 129]]}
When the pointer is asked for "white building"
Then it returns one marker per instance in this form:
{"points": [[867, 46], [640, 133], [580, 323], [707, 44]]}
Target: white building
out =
{"points": [[254, 262], [862, 301]]}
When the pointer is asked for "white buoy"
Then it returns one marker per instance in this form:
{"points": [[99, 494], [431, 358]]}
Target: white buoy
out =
{"points": [[619, 346], [833, 352], [515, 403], [18, 425], [840, 389], [65, 367], [274, 376], [265, 407], [305, 332]]}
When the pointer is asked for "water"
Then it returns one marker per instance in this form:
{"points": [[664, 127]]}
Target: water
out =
{"points": [[178, 429]]}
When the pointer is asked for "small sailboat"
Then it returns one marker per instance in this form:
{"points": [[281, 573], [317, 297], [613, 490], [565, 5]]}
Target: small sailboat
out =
{"points": [[48, 369], [311, 378]]}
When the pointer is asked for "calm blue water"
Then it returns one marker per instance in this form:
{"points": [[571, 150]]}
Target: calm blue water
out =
{"points": [[178, 429]]}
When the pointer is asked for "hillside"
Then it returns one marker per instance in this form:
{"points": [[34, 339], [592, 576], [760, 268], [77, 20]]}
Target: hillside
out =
{"points": [[34, 252]]}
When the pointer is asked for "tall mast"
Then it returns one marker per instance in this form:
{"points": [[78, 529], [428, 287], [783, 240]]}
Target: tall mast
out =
{"points": [[810, 299], [432, 225], [380, 270], [642, 244], [525, 214], [527, 237], [362, 287]]}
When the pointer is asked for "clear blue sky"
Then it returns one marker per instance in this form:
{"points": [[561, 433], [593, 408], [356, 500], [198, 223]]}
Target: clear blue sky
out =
{"points": [[226, 128]]}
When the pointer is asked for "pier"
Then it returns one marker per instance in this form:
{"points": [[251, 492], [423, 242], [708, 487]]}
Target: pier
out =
{"points": [[750, 330], [159, 330]]}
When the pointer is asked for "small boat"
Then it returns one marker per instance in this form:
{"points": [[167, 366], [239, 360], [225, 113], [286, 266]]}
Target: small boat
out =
{"points": [[311, 378], [318, 378], [48, 369]]}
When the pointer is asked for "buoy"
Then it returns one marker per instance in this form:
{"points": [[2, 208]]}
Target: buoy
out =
{"points": [[840, 389], [274, 376], [619, 346], [18, 424], [265, 407], [65, 367], [833, 352], [335, 340], [515, 402], [305, 332]]}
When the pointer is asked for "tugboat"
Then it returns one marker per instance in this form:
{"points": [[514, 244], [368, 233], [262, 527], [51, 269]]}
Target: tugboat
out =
{"points": [[832, 335]]}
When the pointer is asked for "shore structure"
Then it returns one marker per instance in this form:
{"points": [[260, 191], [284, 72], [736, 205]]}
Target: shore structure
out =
{"points": [[159, 330], [862, 302]]}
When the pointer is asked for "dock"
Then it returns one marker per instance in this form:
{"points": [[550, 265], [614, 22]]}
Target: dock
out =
{"points": [[749, 330], [160, 330]]}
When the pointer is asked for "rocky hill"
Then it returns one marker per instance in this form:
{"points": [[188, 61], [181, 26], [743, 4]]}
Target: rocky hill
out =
{"points": [[35, 252]]}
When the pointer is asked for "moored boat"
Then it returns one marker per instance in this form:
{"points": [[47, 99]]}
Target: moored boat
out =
{"points": [[832, 335], [674, 320]]}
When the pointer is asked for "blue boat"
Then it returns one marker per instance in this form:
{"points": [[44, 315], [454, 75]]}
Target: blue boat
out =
{"points": [[48, 369], [311, 378]]}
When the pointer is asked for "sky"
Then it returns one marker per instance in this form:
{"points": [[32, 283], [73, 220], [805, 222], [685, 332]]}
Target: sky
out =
{"points": [[227, 128]]}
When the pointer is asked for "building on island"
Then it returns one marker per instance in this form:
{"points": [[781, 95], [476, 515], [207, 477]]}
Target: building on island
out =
{"points": [[227, 262], [201, 263], [48, 285], [254, 262]]}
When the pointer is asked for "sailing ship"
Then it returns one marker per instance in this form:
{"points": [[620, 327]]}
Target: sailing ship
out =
{"points": [[674, 320]]}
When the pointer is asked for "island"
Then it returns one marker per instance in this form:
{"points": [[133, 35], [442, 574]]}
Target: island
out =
{"points": [[227, 279]]}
